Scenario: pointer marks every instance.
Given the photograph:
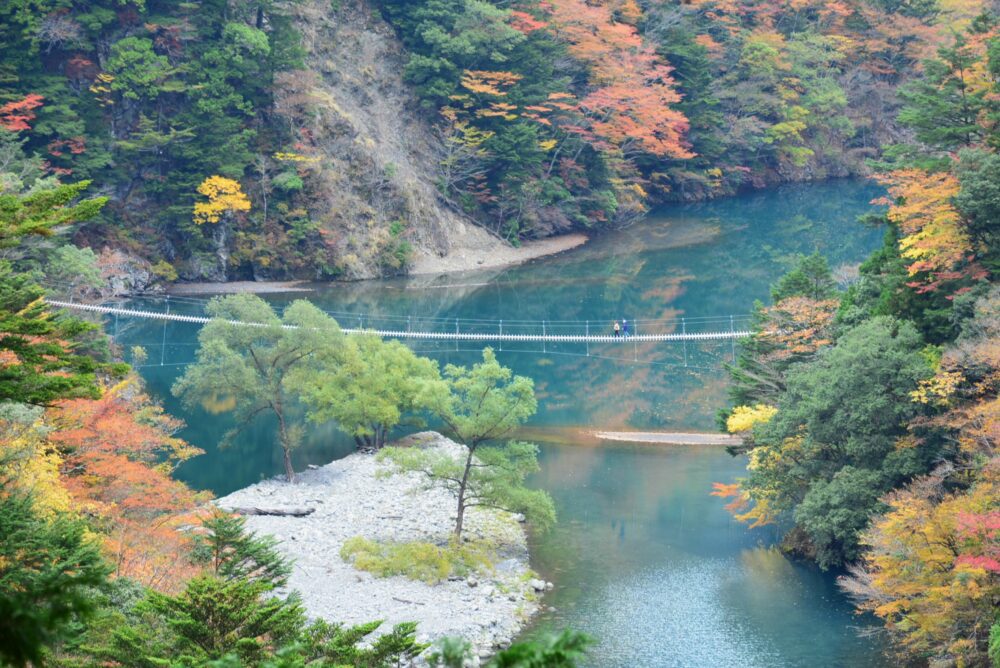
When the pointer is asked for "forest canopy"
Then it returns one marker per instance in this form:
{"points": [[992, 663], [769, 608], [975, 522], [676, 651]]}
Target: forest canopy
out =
{"points": [[549, 116]]}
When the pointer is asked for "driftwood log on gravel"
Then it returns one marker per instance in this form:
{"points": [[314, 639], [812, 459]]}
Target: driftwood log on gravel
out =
{"points": [[280, 512]]}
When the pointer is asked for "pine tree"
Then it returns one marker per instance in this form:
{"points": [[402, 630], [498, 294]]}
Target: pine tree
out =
{"points": [[48, 570], [231, 552], [942, 107], [38, 363]]}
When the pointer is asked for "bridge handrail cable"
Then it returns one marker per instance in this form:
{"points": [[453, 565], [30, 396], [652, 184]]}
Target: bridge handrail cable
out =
{"points": [[499, 335]]}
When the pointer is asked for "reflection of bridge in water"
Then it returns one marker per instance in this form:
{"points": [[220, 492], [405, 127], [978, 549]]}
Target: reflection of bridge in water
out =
{"points": [[485, 331]]}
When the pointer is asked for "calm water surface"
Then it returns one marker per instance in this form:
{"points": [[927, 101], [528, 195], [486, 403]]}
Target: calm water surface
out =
{"points": [[643, 558]]}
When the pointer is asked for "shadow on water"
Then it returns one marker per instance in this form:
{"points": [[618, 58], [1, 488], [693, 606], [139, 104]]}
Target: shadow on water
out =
{"points": [[643, 557]]}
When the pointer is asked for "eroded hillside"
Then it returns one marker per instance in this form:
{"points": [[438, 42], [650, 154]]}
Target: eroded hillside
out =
{"points": [[372, 187]]}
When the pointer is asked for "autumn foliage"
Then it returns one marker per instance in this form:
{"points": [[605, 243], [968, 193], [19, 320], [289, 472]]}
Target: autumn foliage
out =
{"points": [[797, 326], [633, 101], [17, 115], [117, 454], [933, 240], [933, 567], [224, 196]]}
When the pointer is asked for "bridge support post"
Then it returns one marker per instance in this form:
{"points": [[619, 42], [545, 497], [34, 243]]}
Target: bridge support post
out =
{"points": [[456, 334], [587, 334], [732, 337], [543, 336], [501, 336], [635, 344], [685, 341], [163, 342]]}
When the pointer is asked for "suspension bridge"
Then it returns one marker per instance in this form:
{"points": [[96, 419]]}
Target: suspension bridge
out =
{"points": [[483, 331]]}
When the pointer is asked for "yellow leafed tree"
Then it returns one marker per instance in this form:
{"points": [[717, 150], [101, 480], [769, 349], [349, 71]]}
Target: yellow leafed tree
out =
{"points": [[744, 418], [224, 195], [31, 464]]}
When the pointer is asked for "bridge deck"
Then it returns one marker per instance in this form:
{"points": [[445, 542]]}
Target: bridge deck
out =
{"points": [[498, 335]]}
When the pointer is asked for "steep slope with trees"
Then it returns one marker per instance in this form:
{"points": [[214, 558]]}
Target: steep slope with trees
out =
{"points": [[870, 416], [322, 145], [294, 111]]}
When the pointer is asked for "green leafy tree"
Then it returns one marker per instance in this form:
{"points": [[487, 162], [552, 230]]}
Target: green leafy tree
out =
{"points": [[564, 650], [42, 213], [368, 388], [210, 619], [882, 290], [840, 437], [340, 645], [994, 647], [758, 376], [74, 270], [979, 203], [450, 652], [136, 68], [486, 403], [252, 364], [810, 278], [231, 617]]}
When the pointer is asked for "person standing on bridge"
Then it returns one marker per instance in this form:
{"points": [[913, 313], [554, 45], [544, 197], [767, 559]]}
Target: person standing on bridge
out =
{"points": [[625, 328], [617, 329]]}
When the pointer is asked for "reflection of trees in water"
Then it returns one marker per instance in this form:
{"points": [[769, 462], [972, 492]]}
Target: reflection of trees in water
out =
{"points": [[689, 261]]}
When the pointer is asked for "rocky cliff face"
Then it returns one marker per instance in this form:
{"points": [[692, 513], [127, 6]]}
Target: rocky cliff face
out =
{"points": [[372, 189]]}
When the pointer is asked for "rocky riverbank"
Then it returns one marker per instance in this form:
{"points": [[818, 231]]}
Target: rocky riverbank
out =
{"points": [[349, 499]]}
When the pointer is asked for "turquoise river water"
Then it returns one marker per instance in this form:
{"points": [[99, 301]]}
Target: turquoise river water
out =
{"points": [[643, 558]]}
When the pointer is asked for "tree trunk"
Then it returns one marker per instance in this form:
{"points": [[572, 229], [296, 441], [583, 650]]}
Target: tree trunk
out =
{"points": [[366, 441], [278, 512], [289, 471], [460, 516], [286, 445]]}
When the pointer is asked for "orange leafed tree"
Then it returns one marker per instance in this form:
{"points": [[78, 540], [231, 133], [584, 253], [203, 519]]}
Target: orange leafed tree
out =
{"points": [[798, 325], [931, 572], [932, 237], [17, 115], [118, 452], [525, 23], [633, 97]]}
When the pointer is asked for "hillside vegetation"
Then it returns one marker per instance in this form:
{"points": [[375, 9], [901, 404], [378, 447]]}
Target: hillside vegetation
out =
{"points": [[871, 416], [351, 135]]}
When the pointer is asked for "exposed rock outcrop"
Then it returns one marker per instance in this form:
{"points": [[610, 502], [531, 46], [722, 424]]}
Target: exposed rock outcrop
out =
{"points": [[373, 188]]}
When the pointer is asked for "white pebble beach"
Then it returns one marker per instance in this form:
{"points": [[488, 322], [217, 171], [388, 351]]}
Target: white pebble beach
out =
{"points": [[488, 609]]}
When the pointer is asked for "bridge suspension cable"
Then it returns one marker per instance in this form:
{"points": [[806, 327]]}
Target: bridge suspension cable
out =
{"points": [[483, 330]]}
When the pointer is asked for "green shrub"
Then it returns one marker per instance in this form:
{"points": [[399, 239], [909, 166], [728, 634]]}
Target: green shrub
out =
{"points": [[427, 562], [165, 271], [288, 181]]}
